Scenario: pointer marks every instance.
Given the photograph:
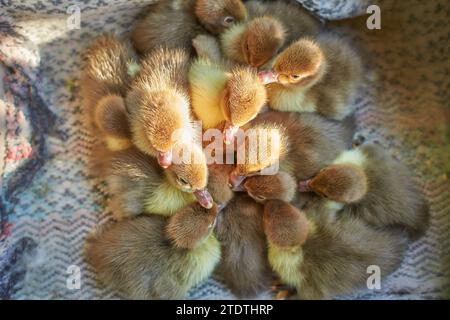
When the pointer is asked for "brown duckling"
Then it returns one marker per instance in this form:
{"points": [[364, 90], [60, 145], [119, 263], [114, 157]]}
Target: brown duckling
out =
{"points": [[178, 22], [244, 267], [323, 258], [254, 43], [373, 186], [272, 26], [281, 186], [105, 78], [321, 75], [218, 184], [153, 257], [296, 21]]}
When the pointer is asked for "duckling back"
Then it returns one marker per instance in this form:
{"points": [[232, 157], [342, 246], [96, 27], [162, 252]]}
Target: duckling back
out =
{"points": [[393, 198], [334, 259]]}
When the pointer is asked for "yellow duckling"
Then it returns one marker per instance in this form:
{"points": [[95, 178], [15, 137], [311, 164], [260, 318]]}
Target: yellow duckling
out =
{"points": [[219, 95]]}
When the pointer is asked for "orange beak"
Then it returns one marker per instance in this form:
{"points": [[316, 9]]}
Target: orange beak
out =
{"points": [[204, 198], [234, 180], [304, 186], [165, 159], [268, 76]]}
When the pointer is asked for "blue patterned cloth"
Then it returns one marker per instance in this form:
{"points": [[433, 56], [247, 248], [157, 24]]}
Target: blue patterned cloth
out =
{"points": [[49, 202]]}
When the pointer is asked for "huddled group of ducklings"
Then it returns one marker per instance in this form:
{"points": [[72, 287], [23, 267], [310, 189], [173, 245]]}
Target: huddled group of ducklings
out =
{"points": [[332, 210]]}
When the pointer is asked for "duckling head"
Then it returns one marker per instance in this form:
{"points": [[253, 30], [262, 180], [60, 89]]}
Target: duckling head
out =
{"points": [[218, 15], [162, 117], [299, 65], [281, 186], [345, 183], [191, 225], [261, 40], [285, 226], [189, 172], [110, 116], [242, 99], [259, 153]]}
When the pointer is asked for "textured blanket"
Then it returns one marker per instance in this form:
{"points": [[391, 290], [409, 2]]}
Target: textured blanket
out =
{"points": [[49, 203]]}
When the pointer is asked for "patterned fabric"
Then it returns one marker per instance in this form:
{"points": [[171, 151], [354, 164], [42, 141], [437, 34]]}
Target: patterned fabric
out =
{"points": [[340, 9], [49, 203]]}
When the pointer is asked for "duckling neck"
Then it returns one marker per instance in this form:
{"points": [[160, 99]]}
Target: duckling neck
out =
{"points": [[202, 260], [188, 5], [231, 41], [286, 262], [354, 156], [290, 98], [207, 83]]}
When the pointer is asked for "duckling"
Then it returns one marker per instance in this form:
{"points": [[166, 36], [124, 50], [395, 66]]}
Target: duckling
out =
{"points": [[219, 96], [321, 75], [158, 104], [374, 187], [105, 78], [178, 22], [295, 19], [299, 144], [138, 185], [153, 257], [244, 266], [254, 43], [324, 258], [281, 186]]}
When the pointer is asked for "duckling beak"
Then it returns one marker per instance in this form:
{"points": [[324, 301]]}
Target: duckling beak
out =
{"points": [[234, 181], [165, 159], [239, 188], [204, 198], [229, 132], [304, 186], [268, 76], [220, 207]]}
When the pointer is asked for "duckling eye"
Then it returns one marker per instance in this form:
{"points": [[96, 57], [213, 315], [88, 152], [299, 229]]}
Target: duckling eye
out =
{"points": [[228, 20], [182, 181], [260, 198], [295, 76]]}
